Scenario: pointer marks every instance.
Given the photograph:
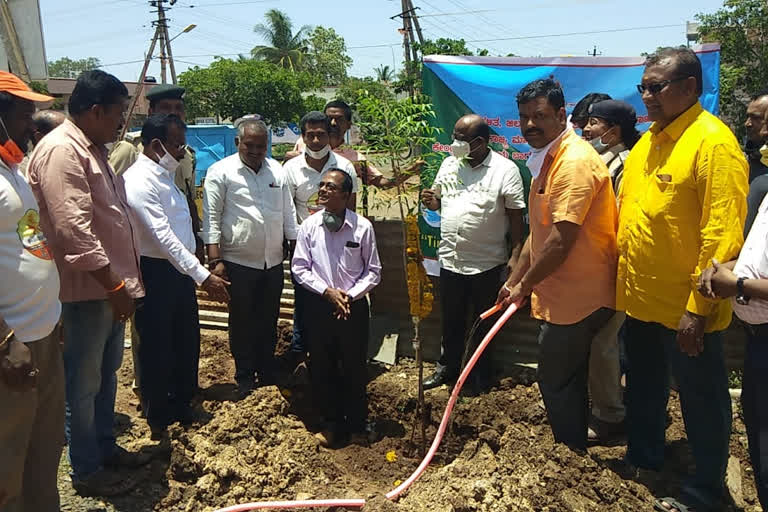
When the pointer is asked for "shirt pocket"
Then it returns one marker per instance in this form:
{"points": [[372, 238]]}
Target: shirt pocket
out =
{"points": [[661, 198], [351, 263]]}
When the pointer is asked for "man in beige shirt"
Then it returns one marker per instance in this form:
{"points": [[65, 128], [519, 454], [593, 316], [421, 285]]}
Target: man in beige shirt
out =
{"points": [[86, 218]]}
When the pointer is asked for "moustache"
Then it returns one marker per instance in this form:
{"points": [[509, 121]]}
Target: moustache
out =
{"points": [[532, 132]]}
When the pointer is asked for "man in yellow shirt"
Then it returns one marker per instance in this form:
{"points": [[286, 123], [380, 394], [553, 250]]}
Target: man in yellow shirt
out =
{"points": [[682, 203]]}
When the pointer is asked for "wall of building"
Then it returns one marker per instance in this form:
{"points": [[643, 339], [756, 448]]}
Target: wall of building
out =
{"points": [[516, 343]]}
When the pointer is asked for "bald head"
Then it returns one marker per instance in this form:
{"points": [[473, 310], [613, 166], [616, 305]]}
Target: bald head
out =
{"points": [[473, 125], [45, 121]]}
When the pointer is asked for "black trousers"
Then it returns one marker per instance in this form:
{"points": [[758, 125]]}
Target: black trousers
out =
{"points": [[254, 308], [461, 294], [338, 368], [754, 405], [562, 375], [169, 328]]}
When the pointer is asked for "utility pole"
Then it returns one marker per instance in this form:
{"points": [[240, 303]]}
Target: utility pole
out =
{"points": [[415, 18], [594, 52]]}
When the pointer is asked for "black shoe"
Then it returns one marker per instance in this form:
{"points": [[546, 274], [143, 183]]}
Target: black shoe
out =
{"points": [[440, 377]]}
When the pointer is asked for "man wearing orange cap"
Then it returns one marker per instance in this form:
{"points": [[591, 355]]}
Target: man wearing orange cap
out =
{"points": [[31, 368]]}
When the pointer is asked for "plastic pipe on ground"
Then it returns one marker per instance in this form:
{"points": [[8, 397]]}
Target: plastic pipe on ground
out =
{"points": [[455, 395], [350, 503]]}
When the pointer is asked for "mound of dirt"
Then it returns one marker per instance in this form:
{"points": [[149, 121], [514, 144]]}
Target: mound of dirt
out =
{"points": [[497, 455]]}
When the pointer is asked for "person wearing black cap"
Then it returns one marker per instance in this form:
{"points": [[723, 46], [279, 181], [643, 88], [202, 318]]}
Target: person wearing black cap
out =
{"points": [[580, 113], [612, 131], [163, 99], [610, 128]]}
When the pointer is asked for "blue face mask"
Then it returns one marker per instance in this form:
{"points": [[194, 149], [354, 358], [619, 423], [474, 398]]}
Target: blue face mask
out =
{"points": [[599, 145]]}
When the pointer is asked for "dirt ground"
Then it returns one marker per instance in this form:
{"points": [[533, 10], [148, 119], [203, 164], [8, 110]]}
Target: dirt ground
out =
{"points": [[497, 456]]}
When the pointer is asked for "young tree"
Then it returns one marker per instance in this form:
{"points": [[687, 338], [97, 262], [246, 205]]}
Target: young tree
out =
{"points": [[327, 59], [741, 27], [231, 88], [68, 68], [392, 128], [283, 47]]}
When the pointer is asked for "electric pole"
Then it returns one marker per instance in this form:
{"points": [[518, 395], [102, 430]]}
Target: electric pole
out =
{"points": [[594, 52], [415, 19], [166, 57]]}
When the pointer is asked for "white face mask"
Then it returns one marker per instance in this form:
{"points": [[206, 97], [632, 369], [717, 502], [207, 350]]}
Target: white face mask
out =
{"points": [[460, 148], [167, 161], [764, 155], [318, 155]]}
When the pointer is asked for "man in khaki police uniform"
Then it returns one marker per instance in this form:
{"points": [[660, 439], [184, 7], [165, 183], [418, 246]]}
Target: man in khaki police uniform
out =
{"points": [[163, 99]]}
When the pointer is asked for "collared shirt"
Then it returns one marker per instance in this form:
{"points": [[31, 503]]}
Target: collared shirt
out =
{"points": [[248, 213], [84, 213], [303, 181], [347, 259], [574, 186], [614, 158], [682, 202], [29, 297], [753, 264], [365, 170], [124, 154], [165, 227], [473, 204]]}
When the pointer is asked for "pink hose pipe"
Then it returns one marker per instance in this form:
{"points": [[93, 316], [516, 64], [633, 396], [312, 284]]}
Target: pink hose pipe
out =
{"points": [[350, 503], [455, 395]]}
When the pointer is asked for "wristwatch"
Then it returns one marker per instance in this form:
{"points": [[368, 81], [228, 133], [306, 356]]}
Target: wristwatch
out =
{"points": [[741, 297]]}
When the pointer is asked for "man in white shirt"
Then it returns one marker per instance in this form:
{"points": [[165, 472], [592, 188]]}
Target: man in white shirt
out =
{"points": [[303, 174], [746, 280], [167, 321], [31, 366], [480, 197], [247, 214], [337, 263]]}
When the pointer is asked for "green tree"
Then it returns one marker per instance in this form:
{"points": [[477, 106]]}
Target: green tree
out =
{"points": [[231, 88], [384, 73], [68, 68], [327, 59], [283, 46], [741, 27], [353, 87]]}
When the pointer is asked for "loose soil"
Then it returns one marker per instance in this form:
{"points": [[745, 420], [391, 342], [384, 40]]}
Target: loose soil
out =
{"points": [[498, 455]]}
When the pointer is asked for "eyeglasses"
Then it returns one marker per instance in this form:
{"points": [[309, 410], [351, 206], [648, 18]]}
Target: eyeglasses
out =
{"points": [[657, 87]]}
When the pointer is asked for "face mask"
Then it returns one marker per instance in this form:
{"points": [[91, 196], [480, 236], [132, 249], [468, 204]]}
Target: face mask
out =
{"points": [[599, 145], [460, 148], [167, 162], [318, 155], [332, 221], [10, 152], [764, 155]]}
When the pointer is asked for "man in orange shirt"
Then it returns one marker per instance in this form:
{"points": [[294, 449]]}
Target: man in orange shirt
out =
{"points": [[568, 263]]}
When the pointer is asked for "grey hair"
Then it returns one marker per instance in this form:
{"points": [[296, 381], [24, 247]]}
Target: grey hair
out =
{"points": [[254, 124]]}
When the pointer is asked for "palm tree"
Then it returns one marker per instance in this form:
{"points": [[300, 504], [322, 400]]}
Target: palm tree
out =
{"points": [[384, 73], [283, 46]]}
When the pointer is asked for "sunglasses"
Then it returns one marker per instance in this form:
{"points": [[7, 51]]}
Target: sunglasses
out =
{"points": [[657, 87]]}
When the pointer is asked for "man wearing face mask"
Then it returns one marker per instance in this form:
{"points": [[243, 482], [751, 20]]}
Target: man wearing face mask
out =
{"points": [[168, 320], [681, 204], [337, 264], [480, 197], [568, 263], [303, 174], [31, 369], [757, 155], [611, 131], [580, 112], [247, 214]]}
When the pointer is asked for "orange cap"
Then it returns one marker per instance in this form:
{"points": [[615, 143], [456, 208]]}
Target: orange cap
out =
{"points": [[12, 84]]}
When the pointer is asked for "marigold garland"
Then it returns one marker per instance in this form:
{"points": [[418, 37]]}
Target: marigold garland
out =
{"points": [[420, 294]]}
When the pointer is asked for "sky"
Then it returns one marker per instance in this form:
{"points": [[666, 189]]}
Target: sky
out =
{"points": [[118, 32]]}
